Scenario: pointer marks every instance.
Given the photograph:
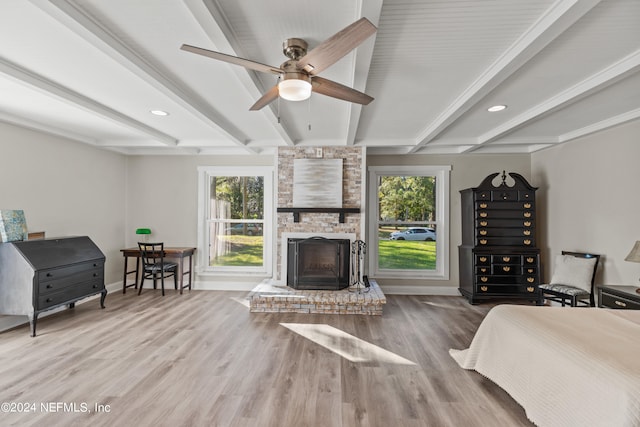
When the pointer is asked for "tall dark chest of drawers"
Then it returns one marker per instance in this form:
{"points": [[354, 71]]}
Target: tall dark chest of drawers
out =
{"points": [[40, 275], [498, 256]]}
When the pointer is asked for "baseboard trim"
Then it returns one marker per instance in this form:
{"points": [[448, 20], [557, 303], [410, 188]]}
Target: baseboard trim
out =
{"points": [[419, 290]]}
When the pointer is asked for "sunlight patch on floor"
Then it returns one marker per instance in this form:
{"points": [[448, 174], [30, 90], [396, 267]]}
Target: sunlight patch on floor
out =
{"points": [[243, 301], [348, 346]]}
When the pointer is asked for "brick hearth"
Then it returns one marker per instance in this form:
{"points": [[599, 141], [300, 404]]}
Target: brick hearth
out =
{"points": [[269, 297]]}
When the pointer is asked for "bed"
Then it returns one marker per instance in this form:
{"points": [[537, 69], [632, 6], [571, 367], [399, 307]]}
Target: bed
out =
{"points": [[565, 366]]}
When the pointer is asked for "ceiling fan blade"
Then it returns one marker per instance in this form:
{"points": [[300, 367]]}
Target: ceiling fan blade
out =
{"points": [[267, 98], [336, 90], [247, 63], [335, 47]]}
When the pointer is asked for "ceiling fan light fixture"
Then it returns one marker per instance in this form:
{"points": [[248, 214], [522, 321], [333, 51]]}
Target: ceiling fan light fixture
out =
{"points": [[294, 89]]}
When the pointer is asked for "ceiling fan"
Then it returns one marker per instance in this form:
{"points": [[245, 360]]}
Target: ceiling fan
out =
{"points": [[298, 76]]}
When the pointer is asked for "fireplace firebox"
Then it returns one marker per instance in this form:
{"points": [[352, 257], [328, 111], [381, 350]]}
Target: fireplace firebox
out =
{"points": [[318, 263]]}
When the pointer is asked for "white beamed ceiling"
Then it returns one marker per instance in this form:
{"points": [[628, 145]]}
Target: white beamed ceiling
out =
{"points": [[91, 71]]}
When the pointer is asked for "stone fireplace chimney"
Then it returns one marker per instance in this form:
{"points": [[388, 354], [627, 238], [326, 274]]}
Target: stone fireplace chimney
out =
{"points": [[319, 223]]}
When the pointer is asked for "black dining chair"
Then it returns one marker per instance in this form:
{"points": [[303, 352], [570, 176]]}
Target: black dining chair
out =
{"points": [[573, 280], [154, 265]]}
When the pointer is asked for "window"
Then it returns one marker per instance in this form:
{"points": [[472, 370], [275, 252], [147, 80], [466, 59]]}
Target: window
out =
{"points": [[235, 208], [409, 233]]}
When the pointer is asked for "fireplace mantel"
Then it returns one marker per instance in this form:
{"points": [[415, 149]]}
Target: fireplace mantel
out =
{"points": [[298, 211]]}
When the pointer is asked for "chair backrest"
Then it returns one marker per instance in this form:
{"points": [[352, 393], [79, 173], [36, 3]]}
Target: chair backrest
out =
{"points": [[151, 253], [587, 255]]}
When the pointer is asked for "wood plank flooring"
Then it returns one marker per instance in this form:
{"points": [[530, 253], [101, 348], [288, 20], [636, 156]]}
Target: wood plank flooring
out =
{"points": [[201, 359]]}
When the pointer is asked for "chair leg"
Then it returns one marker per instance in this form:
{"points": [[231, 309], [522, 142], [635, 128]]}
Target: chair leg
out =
{"points": [[162, 282], [175, 280], [141, 284]]}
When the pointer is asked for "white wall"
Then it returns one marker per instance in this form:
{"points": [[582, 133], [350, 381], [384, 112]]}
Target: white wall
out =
{"points": [[589, 200], [467, 170], [65, 189]]}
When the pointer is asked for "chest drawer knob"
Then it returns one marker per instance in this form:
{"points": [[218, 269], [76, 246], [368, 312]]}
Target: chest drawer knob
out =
{"points": [[620, 303], [506, 258], [506, 268], [484, 223], [527, 205], [526, 232], [530, 289], [483, 232], [483, 214], [49, 275], [527, 223], [531, 279], [483, 241], [483, 205], [483, 259], [530, 260], [526, 241], [527, 214], [484, 279], [483, 288], [49, 286]]}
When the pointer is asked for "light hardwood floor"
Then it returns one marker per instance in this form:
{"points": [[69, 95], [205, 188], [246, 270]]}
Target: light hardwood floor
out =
{"points": [[201, 359]]}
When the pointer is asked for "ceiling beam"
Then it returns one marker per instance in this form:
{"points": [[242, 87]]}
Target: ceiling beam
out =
{"points": [[557, 19], [362, 65], [610, 75], [68, 95], [70, 14]]}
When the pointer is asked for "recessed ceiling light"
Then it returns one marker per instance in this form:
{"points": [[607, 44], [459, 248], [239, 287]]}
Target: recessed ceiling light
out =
{"points": [[496, 108], [159, 113]]}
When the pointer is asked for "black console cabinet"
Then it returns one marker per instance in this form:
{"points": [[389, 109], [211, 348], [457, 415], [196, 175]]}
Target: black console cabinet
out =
{"points": [[40, 275], [498, 255]]}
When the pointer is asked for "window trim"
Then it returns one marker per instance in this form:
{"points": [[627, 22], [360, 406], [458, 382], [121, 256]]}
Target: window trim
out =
{"points": [[442, 174], [204, 174]]}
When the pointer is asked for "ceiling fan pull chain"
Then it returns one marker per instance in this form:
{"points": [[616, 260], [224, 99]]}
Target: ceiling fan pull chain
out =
{"points": [[309, 111], [278, 101]]}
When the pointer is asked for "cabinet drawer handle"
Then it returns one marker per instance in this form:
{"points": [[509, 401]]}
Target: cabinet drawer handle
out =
{"points": [[529, 260], [526, 241], [506, 268], [531, 279], [527, 205], [530, 270], [530, 288], [484, 279], [483, 205], [483, 288], [483, 270], [95, 274], [483, 232], [506, 258], [526, 232], [483, 241], [620, 303], [49, 286], [484, 223], [527, 223], [49, 275], [49, 300], [483, 214], [527, 214], [483, 259]]}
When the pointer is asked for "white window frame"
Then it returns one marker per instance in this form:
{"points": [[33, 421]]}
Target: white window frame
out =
{"points": [[442, 174], [204, 176]]}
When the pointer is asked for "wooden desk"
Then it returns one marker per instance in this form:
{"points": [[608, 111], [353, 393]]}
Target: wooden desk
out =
{"points": [[170, 252]]}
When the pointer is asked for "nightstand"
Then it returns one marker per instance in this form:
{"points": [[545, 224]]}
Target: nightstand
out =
{"points": [[622, 297]]}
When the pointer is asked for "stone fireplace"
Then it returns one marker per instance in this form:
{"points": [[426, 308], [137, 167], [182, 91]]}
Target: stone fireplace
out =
{"points": [[321, 222], [273, 296]]}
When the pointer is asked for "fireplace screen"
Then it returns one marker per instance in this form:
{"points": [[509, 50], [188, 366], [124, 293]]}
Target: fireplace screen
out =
{"points": [[318, 263]]}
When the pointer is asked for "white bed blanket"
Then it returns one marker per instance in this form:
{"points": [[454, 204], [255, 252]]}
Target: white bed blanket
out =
{"points": [[565, 366]]}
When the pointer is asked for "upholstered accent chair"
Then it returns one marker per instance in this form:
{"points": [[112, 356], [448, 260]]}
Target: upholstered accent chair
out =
{"points": [[573, 279], [154, 265]]}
